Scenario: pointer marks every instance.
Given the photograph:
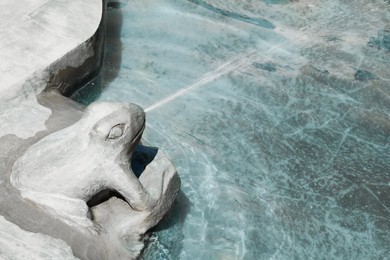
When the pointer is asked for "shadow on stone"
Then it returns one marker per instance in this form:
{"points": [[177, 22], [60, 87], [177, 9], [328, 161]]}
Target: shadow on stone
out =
{"points": [[103, 196], [112, 57], [142, 156]]}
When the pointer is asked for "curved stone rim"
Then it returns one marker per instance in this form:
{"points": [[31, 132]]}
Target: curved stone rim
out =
{"points": [[47, 41]]}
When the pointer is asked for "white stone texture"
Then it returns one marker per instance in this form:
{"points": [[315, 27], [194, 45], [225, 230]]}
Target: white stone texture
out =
{"points": [[33, 35], [16, 243], [61, 172], [72, 165]]}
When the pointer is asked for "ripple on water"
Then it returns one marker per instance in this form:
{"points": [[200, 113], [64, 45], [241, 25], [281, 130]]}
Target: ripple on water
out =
{"points": [[282, 143]]}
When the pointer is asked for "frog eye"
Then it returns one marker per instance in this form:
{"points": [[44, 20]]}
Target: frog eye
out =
{"points": [[116, 131]]}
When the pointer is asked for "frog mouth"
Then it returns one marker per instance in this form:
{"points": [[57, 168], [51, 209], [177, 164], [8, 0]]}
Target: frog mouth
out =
{"points": [[136, 139]]}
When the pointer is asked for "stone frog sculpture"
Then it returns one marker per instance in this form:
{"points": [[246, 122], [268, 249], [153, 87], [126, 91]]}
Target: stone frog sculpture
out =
{"points": [[64, 170]]}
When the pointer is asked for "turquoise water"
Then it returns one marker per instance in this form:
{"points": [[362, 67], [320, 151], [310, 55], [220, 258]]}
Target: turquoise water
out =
{"points": [[276, 115]]}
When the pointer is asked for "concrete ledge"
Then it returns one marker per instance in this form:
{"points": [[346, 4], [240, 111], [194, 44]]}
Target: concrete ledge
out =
{"points": [[67, 75], [44, 40]]}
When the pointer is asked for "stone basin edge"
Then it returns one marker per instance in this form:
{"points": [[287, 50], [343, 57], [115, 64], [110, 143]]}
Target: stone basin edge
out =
{"points": [[79, 65]]}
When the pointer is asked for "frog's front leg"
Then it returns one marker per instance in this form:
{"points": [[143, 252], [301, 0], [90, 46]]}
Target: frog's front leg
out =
{"points": [[127, 184]]}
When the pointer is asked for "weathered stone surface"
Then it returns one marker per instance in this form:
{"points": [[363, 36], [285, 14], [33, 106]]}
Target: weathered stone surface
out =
{"points": [[42, 44], [62, 172], [34, 34]]}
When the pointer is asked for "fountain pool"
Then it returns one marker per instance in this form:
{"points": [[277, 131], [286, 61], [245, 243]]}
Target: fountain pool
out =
{"points": [[276, 115]]}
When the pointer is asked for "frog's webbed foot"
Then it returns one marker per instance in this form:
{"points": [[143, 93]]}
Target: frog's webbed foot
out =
{"points": [[160, 178]]}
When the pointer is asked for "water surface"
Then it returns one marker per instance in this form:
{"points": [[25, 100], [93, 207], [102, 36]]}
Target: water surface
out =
{"points": [[276, 115]]}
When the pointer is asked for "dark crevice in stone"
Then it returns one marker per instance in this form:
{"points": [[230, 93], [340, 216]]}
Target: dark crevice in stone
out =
{"points": [[103, 196], [142, 156]]}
